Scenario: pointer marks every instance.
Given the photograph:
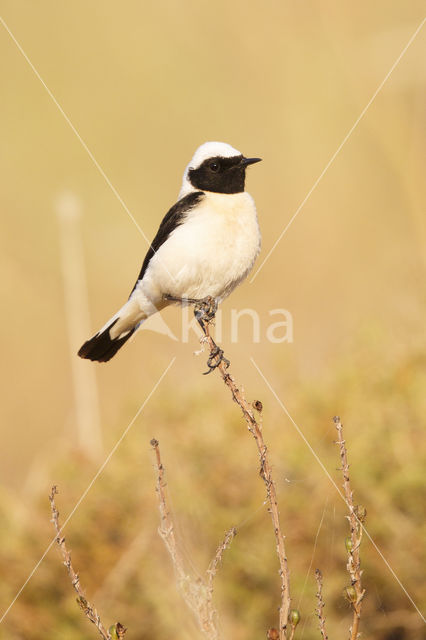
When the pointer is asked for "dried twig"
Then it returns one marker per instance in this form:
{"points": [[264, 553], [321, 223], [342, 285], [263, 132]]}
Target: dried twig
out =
{"points": [[255, 429], [166, 526], [197, 594], [355, 592], [320, 605], [213, 568], [116, 631]]}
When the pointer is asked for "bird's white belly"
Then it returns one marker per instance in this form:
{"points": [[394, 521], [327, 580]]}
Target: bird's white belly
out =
{"points": [[210, 253]]}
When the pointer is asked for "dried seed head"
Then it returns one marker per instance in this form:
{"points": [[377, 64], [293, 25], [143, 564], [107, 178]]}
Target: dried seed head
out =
{"points": [[258, 405], [273, 634]]}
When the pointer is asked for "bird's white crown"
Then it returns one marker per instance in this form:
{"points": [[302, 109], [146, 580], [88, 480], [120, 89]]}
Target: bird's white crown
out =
{"points": [[204, 152], [211, 150]]}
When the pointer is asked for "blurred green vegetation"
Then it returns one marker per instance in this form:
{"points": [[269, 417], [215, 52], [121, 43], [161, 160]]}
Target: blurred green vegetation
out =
{"points": [[145, 84]]}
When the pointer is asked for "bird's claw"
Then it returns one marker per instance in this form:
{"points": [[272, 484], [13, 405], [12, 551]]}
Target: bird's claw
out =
{"points": [[205, 310], [215, 358]]}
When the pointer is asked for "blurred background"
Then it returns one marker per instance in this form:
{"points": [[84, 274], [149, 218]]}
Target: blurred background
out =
{"points": [[144, 83]]}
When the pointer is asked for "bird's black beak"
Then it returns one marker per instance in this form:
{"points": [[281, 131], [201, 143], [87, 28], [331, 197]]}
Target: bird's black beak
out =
{"points": [[246, 161]]}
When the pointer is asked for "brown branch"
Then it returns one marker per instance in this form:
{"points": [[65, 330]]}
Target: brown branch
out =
{"points": [[355, 593], [166, 529], [320, 605], [116, 631], [214, 564], [197, 594], [255, 428]]}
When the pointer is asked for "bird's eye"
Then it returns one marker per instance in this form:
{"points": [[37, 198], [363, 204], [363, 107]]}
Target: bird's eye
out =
{"points": [[214, 166]]}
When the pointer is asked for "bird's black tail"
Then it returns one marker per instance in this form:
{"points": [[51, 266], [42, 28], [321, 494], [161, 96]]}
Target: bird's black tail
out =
{"points": [[102, 347]]}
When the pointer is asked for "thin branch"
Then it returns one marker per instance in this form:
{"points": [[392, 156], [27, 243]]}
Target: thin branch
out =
{"points": [[117, 630], [198, 594], [213, 568], [355, 593], [320, 605], [166, 529], [214, 564], [255, 427]]}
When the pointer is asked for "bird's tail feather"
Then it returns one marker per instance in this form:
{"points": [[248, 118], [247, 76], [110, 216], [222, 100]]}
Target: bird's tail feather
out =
{"points": [[102, 347]]}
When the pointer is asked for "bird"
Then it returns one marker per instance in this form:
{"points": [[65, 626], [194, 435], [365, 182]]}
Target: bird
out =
{"points": [[205, 246]]}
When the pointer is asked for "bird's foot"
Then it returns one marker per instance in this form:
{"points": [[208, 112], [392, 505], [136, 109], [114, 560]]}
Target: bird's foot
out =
{"points": [[205, 311], [215, 358]]}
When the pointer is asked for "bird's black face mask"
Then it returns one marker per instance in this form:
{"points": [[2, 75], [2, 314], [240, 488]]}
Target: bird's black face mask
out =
{"points": [[221, 175]]}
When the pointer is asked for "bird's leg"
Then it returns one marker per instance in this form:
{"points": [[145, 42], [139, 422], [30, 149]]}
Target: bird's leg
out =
{"points": [[205, 311], [170, 298]]}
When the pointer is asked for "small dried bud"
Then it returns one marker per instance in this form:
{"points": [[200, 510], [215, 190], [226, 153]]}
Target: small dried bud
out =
{"points": [[294, 617], [258, 405], [349, 594], [360, 512], [154, 443], [273, 634], [348, 544]]}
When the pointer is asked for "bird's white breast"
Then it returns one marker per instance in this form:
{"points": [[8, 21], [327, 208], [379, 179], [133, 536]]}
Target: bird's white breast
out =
{"points": [[210, 253]]}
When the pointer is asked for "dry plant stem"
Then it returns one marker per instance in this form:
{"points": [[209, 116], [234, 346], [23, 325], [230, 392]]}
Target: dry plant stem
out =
{"points": [[255, 429], [320, 605], [354, 561], [166, 525], [88, 609], [211, 574], [197, 594]]}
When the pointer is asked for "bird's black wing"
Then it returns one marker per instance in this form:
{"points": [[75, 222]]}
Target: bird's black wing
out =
{"points": [[173, 218]]}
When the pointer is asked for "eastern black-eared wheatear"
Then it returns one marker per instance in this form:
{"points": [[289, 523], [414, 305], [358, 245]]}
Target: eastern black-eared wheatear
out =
{"points": [[206, 245]]}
